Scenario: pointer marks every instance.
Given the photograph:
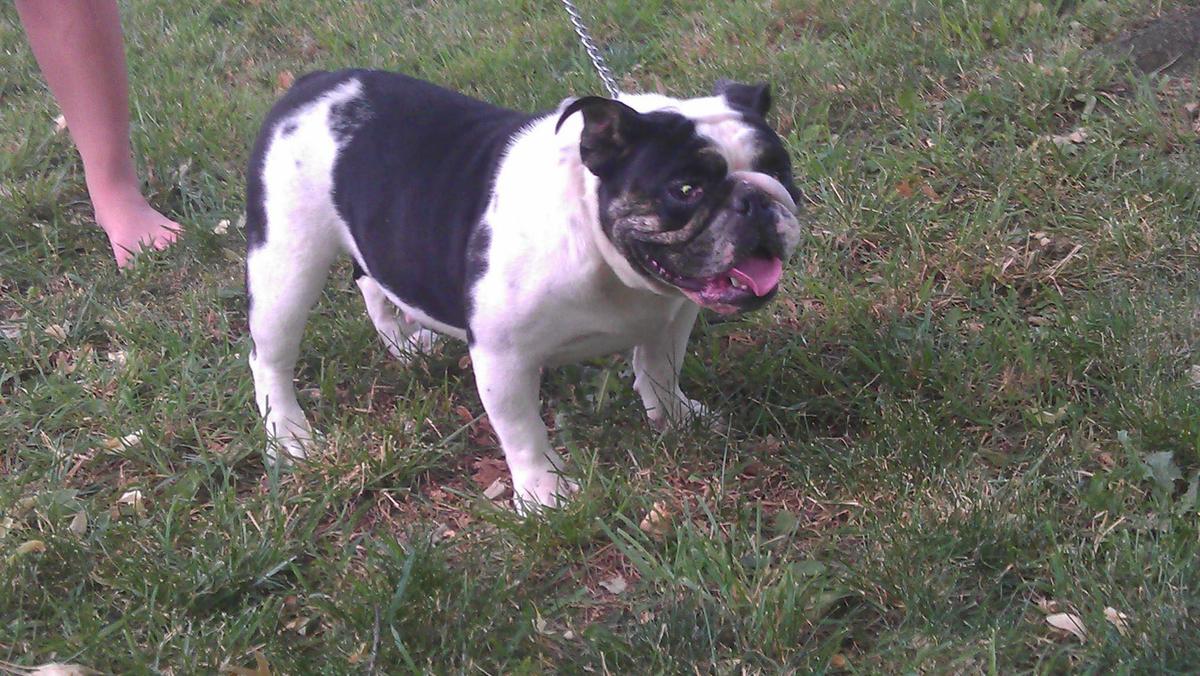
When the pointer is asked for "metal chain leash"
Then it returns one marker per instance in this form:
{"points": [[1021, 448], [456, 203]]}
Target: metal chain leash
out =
{"points": [[585, 37]]}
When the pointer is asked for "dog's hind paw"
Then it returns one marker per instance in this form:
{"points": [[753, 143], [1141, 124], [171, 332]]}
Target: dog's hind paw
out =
{"points": [[535, 492], [684, 412]]}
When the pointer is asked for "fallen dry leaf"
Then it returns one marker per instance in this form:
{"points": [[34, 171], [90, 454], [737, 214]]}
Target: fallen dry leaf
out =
{"points": [[32, 547], [1046, 605], [617, 585], [498, 490], [1069, 141], [128, 441], [359, 654], [299, 624], [261, 667], [79, 523], [60, 124], [488, 471], [907, 190], [284, 80], [55, 669], [57, 332], [63, 362], [222, 227], [754, 468], [131, 502], [658, 521], [1068, 622], [10, 330], [1117, 619]]}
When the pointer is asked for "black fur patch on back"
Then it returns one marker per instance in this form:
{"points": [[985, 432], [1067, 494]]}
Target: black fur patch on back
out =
{"points": [[412, 180], [346, 117]]}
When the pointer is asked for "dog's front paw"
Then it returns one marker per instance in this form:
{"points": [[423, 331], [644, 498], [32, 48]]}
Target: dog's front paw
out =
{"points": [[406, 348], [290, 443], [421, 341], [683, 412], [541, 489]]}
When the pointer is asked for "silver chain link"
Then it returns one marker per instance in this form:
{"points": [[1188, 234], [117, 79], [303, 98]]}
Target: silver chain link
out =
{"points": [[590, 47]]}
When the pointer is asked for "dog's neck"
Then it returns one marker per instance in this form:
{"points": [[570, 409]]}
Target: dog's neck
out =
{"points": [[582, 202]]}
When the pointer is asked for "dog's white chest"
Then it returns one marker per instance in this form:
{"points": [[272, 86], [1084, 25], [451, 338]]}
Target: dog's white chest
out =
{"points": [[564, 312], [597, 340]]}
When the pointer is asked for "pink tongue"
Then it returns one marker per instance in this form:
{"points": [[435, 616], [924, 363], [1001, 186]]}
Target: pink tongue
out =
{"points": [[760, 274]]}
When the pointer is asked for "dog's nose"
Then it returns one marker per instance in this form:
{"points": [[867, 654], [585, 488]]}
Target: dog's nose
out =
{"points": [[749, 201]]}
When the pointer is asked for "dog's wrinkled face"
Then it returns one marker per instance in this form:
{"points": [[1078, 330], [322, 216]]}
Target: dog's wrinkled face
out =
{"points": [[673, 206]]}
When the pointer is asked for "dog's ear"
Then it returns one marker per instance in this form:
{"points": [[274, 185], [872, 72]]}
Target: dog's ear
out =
{"points": [[755, 98], [609, 129]]}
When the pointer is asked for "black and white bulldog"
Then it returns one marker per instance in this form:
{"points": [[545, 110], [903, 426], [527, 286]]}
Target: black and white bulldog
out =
{"points": [[602, 226]]}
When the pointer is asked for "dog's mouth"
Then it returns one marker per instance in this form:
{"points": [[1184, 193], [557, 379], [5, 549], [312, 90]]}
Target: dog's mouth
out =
{"points": [[748, 283]]}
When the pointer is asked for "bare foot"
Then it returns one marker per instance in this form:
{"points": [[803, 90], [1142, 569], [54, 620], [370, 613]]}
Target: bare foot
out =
{"points": [[132, 225]]}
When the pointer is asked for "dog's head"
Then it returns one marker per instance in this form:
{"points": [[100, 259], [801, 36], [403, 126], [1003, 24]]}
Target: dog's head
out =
{"points": [[697, 197]]}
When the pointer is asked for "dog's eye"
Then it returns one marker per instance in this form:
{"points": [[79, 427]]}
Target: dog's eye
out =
{"points": [[686, 192]]}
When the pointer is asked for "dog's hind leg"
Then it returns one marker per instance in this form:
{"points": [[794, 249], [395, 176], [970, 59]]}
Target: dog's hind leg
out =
{"points": [[294, 232], [284, 276], [403, 337]]}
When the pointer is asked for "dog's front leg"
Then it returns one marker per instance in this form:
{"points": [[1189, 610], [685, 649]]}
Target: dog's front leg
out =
{"points": [[508, 386], [656, 366]]}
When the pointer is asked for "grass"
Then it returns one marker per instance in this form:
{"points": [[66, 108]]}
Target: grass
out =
{"points": [[975, 405]]}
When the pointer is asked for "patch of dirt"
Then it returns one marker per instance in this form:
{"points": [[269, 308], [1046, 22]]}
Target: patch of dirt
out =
{"points": [[1169, 44]]}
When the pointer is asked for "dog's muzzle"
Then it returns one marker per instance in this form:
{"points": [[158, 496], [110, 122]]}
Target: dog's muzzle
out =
{"points": [[749, 182]]}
